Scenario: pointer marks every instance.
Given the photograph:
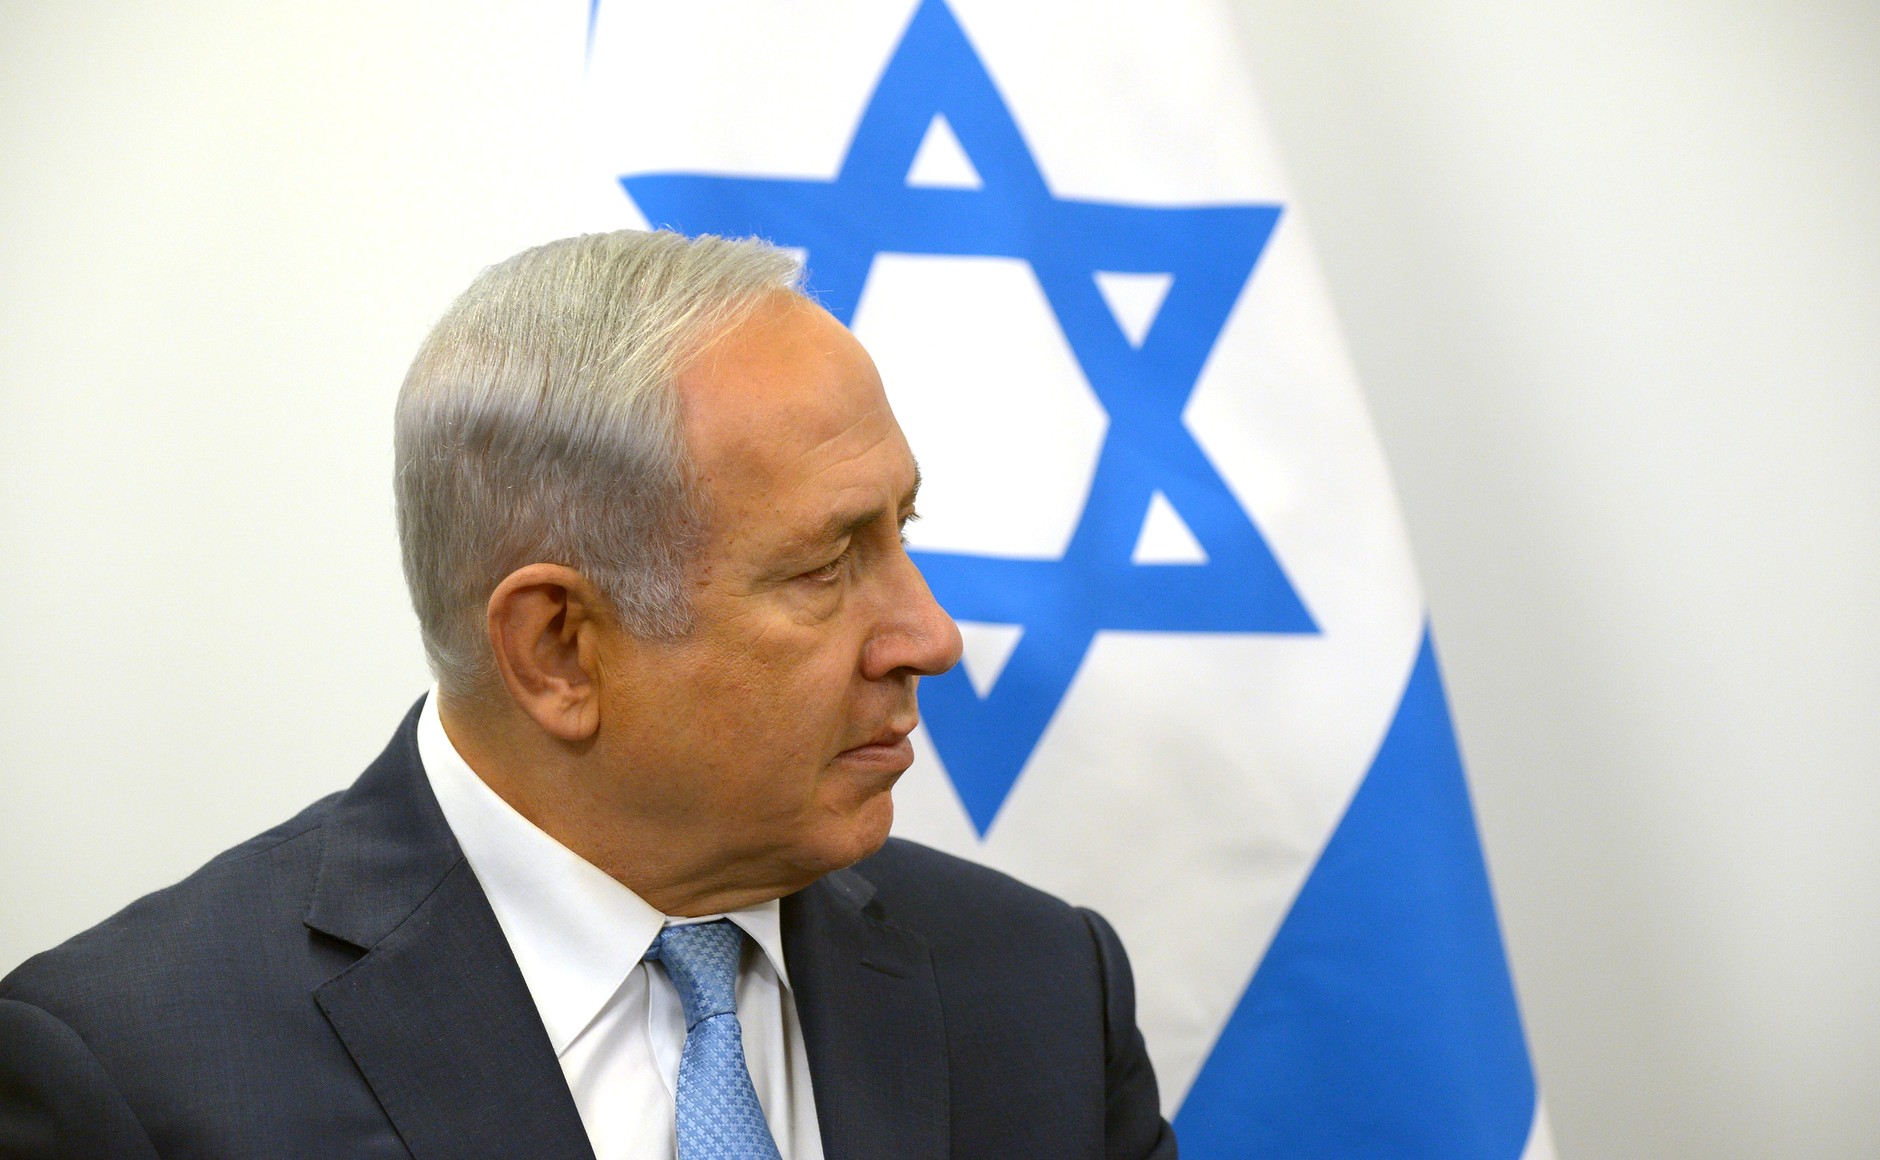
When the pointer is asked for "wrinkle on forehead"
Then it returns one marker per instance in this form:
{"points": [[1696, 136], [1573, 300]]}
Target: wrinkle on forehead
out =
{"points": [[789, 378], [787, 427], [847, 519]]}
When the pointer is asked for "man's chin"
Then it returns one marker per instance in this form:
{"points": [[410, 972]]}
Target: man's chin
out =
{"points": [[857, 836]]}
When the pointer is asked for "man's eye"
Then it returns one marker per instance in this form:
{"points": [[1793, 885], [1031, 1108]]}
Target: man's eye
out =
{"points": [[827, 572]]}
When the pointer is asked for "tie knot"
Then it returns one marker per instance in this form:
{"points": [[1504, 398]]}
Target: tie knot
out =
{"points": [[702, 960]]}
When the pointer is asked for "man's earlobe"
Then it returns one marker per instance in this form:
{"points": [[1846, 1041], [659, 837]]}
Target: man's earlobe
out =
{"points": [[544, 624]]}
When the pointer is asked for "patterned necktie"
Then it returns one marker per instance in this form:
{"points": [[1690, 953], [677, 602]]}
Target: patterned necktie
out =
{"points": [[719, 1117]]}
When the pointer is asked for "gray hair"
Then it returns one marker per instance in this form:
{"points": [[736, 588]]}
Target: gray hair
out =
{"points": [[539, 423]]}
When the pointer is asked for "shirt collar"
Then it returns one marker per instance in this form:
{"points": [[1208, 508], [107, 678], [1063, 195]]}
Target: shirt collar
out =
{"points": [[576, 933]]}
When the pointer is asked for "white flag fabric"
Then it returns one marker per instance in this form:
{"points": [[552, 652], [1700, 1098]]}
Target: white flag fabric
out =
{"points": [[1198, 691]]}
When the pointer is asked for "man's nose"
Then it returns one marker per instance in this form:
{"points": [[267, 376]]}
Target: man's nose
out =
{"points": [[918, 635]]}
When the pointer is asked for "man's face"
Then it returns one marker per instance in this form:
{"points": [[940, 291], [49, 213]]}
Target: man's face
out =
{"points": [[773, 732]]}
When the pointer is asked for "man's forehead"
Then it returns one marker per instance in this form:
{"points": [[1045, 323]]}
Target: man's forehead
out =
{"points": [[789, 369], [789, 431], [850, 513]]}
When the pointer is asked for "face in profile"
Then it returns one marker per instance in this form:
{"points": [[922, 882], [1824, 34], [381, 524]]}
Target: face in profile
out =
{"points": [[779, 724]]}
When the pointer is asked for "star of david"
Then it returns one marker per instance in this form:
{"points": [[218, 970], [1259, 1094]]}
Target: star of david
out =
{"points": [[870, 208]]}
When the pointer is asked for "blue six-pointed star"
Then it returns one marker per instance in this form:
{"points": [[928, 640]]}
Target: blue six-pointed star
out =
{"points": [[1210, 251]]}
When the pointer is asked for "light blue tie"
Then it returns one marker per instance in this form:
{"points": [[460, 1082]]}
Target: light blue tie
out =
{"points": [[719, 1117]]}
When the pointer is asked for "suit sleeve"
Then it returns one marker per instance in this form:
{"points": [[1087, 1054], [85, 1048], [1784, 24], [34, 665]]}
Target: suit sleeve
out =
{"points": [[56, 1101], [1133, 1126]]}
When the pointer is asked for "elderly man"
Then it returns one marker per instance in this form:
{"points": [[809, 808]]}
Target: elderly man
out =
{"points": [[619, 885]]}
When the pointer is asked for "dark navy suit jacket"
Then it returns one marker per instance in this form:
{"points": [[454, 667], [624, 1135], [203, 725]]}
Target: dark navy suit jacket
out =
{"points": [[339, 987]]}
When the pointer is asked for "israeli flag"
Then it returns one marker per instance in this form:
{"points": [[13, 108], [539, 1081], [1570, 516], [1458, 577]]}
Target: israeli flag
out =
{"points": [[1199, 692]]}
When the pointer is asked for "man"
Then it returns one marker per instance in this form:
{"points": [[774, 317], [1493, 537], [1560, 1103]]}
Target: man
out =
{"points": [[619, 885]]}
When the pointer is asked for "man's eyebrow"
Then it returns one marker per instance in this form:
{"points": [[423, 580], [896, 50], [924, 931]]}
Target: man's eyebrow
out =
{"points": [[844, 524]]}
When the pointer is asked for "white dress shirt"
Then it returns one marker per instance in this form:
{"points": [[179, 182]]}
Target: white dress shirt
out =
{"points": [[615, 1021]]}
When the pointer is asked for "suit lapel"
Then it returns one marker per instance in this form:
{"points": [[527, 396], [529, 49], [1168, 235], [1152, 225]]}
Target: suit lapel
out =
{"points": [[435, 1013], [869, 1006]]}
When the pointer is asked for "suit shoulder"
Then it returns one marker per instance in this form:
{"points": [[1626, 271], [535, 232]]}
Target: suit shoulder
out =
{"points": [[921, 886], [180, 925], [297, 826]]}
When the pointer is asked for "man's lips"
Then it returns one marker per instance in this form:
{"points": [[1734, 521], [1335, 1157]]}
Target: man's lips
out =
{"points": [[888, 748]]}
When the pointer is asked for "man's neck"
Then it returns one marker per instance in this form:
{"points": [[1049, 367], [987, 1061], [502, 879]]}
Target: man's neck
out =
{"points": [[560, 790]]}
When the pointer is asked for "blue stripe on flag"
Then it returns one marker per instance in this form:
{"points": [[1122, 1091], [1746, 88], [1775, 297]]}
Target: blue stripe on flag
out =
{"points": [[1382, 1022]]}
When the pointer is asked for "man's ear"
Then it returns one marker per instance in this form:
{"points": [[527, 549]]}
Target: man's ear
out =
{"points": [[545, 624]]}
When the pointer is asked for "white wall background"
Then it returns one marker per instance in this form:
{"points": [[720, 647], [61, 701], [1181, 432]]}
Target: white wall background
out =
{"points": [[1610, 271]]}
